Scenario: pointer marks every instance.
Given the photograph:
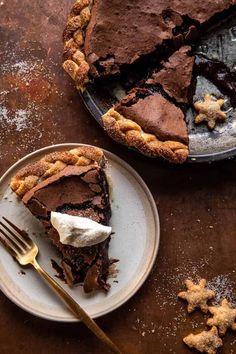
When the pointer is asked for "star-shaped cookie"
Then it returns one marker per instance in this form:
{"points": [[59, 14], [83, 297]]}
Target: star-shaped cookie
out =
{"points": [[210, 111], [224, 317], [205, 342], [196, 295]]}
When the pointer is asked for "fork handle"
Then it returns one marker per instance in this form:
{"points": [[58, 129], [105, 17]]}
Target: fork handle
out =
{"points": [[76, 308]]}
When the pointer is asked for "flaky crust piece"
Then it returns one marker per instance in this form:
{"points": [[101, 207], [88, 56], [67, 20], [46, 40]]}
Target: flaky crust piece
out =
{"points": [[205, 342], [196, 295], [32, 174], [75, 63], [127, 132]]}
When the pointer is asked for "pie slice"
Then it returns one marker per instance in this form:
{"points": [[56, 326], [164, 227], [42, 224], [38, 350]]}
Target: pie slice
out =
{"points": [[175, 77], [151, 118], [102, 36], [71, 182], [149, 123]]}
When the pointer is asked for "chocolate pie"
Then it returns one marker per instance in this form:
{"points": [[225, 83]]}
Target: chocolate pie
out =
{"points": [[71, 182], [103, 38]]}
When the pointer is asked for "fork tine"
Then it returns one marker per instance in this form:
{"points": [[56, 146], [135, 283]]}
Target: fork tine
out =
{"points": [[11, 246], [22, 245], [8, 248], [24, 237]]}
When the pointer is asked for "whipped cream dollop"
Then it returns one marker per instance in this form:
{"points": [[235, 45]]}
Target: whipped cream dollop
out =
{"points": [[78, 231]]}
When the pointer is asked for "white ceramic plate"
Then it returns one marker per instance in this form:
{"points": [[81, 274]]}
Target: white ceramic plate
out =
{"points": [[135, 243]]}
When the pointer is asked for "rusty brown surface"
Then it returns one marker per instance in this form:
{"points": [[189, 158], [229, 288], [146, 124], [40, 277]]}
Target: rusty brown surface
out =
{"points": [[39, 106]]}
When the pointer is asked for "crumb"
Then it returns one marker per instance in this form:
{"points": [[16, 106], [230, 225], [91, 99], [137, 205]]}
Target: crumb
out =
{"points": [[144, 327]]}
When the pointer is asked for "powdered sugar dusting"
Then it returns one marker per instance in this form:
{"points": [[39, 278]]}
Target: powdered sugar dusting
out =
{"points": [[174, 279], [164, 287], [223, 287], [18, 119], [144, 328], [20, 67], [3, 114], [28, 99]]}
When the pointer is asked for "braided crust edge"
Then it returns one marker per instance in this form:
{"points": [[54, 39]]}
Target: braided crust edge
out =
{"points": [[75, 63], [32, 174], [127, 132]]}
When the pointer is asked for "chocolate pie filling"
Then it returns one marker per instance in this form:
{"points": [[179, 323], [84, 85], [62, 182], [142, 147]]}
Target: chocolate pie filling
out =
{"points": [[155, 115], [176, 76], [109, 41], [79, 191], [157, 105]]}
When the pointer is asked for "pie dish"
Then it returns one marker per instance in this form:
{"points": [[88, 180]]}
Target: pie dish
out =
{"points": [[71, 182], [99, 43]]}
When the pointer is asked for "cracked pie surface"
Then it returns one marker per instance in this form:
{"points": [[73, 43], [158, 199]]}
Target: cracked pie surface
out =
{"points": [[103, 38]]}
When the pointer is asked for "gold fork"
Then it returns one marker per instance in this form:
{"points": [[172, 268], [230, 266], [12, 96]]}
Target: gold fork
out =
{"points": [[25, 251]]}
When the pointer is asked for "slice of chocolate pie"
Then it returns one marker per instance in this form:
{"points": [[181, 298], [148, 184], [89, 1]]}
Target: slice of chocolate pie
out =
{"points": [[150, 123], [72, 183], [175, 77], [151, 116]]}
